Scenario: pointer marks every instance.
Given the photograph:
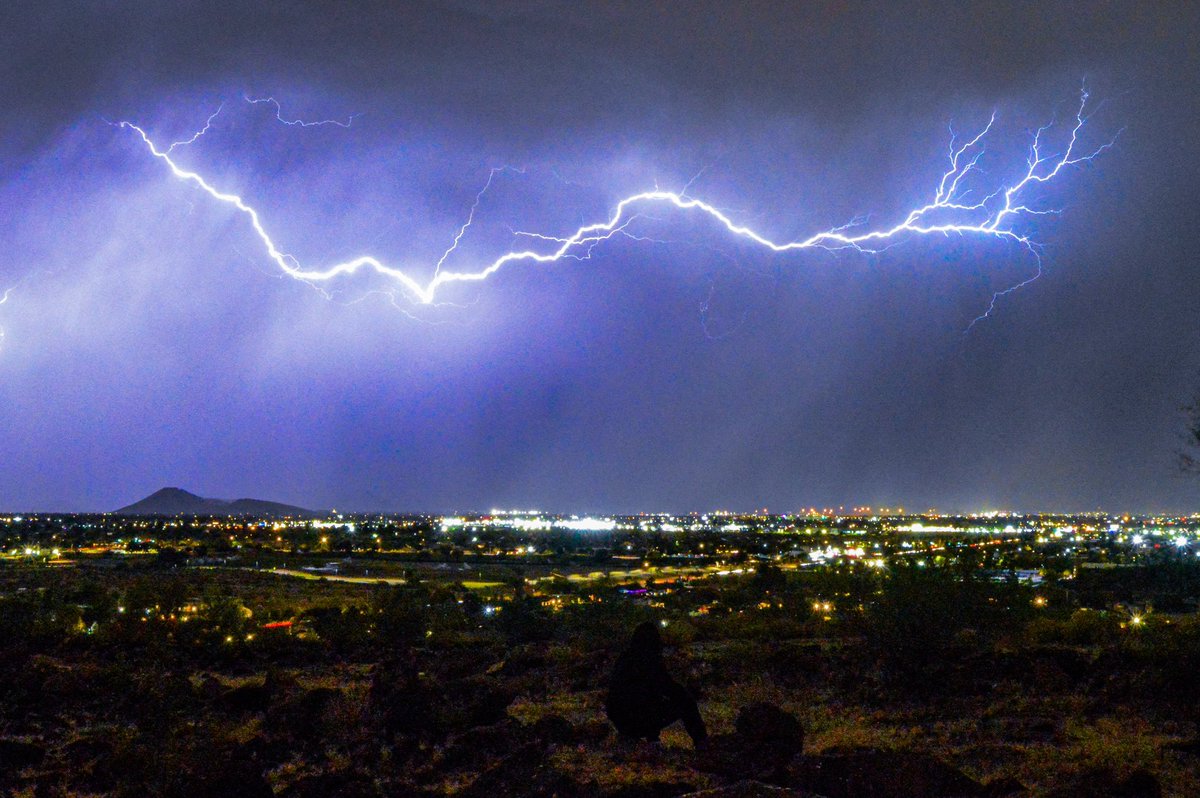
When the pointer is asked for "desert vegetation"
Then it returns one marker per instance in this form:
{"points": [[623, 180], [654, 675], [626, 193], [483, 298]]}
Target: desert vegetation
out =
{"points": [[154, 679]]}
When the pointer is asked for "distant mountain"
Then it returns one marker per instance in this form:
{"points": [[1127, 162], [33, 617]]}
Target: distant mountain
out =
{"points": [[176, 501]]}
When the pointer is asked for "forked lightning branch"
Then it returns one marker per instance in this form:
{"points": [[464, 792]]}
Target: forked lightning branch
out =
{"points": [[959, 206]]}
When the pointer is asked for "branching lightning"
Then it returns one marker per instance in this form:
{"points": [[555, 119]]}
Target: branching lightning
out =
{"points": [[950, 212], [298, 122], [198, 133], [471, 216], [4, 299]]}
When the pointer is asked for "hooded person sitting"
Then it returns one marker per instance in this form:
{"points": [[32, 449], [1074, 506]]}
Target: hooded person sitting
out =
{"points": [[643, 699]]}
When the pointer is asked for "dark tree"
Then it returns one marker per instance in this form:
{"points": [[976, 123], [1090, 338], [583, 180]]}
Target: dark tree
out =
{"points": [[1189, 454]]}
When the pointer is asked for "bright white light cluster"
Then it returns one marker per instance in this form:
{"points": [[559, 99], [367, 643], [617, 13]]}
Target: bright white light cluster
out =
{"points": [[534, 523]]}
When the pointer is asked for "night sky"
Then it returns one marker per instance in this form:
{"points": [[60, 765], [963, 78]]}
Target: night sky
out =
{"points": [[149, 341]]}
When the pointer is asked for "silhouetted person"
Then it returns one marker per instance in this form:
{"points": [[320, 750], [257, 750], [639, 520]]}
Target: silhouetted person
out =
{"points": [[643, 699]]}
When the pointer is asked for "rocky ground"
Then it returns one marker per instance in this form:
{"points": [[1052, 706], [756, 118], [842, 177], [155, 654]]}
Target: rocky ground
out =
{"points": [[787, 718]]}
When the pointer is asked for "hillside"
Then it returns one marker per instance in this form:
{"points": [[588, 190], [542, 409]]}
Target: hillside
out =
{"points": [[176, 501]]}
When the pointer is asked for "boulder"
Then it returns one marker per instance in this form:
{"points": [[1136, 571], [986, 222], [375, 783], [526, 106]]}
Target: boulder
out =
{"points": [[765, 741], [764, 724], [478, 748], [1027, 729], [527, 772], [210, 689], [1105, 783], [337, 784], [481, 701], [1004, 787], [236, 783], [16, 755], [302, 715], [249, 697], [883, 774], [554, 729]]}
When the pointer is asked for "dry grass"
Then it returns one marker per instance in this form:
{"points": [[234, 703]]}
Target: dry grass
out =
{"points": [[578, 708]]}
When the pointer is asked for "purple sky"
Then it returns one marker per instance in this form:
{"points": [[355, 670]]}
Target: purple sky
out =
{"points": [[149, 341]]}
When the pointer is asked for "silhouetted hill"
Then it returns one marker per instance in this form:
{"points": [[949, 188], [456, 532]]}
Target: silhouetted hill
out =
{"points": [[176, 501]]}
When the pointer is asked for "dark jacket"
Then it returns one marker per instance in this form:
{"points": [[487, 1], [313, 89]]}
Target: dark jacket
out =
{"points": [[642, 696]]}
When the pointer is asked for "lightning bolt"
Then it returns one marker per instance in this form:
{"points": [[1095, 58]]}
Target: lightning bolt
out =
{"points": [[471, 216], [995, 216], [3, 300], [298, 122], [199, 132]]}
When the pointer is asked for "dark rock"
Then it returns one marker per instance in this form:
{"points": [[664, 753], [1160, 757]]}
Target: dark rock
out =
{"points": [[86, 749], [768, 725], [18, 754], [203, 771], [302, 716], [523, 659], [480, 702], [1049, 675], [236, 782], [882, 774], [278, 682], [1003, 787], [269, 751], [1104, 783], [1027, 730], [480, 747], [652, 789], [106, 759], [277, 751], [422, 710], [1073, 663], [249, 697], [765, 741], [796, 664], [72, 683], [1138, 784], [332, 785], [154, 696], [527, 772], [1189, 747], [554, 729], [210, 688], [407, 709], [593, 732]]}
